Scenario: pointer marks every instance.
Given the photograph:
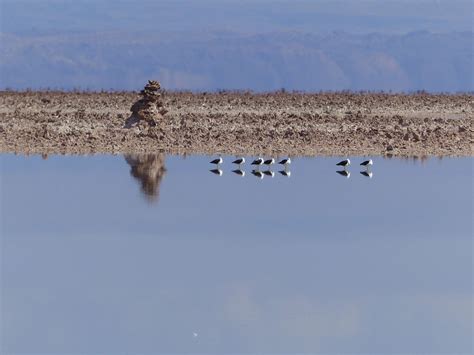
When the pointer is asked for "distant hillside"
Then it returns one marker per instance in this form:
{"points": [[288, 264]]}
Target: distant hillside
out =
{"points": [[226, 60]]}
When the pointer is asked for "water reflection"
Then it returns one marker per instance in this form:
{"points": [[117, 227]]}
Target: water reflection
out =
{"points": [[239, 172], [217, 171], [286, 173], [367, 173], [226, 264], [258, 174], [149, 170], [344, 173]]}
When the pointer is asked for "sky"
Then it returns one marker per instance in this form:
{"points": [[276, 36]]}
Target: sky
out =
{"points": [[355, 16], [262, 45]]}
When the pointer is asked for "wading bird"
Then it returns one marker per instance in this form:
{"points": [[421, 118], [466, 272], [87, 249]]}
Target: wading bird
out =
{"points": [[344, 163], [367, 163], [258, 161], [239, 161], [285, 162], [269, 162], [217, 161]]}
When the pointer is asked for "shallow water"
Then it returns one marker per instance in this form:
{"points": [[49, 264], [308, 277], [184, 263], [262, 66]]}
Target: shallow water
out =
{"points": [[112, 254]]}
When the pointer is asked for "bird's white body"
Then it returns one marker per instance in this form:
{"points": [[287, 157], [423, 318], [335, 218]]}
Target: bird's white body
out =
{"points": [[367, 163], [286, 161]]}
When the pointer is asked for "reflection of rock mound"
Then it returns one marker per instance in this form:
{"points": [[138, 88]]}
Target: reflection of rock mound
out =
{"points": [[149, 169], [149, 108]]}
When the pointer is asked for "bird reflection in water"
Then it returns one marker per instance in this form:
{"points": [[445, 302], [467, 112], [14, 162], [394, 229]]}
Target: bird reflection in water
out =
{"points": [[367, 173], [345, 173], [149, 170], [258, 173], [217, 171], [286, 173], [239, 172]]}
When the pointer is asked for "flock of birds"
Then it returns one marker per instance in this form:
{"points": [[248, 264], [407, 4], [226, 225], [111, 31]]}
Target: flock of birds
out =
{"points": [[285, 162], [346, 162], [257, 163]]}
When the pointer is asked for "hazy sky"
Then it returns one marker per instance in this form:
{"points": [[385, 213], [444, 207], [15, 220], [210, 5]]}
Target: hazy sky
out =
{"points": [[62, 16], [261, 45]]}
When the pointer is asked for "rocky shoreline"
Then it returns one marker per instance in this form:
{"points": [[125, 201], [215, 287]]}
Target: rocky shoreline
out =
{"points": [[293, 124]]}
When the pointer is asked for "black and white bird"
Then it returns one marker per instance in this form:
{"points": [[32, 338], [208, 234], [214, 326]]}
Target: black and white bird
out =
{"points": [[344, 163], [344, 172], [239, 172], [239, 161], [285, 162], [367, 163], [258, 174], [217, 171], [258, 161], [286, 173], [217, 161], [368, 174], [269, 162], [269, 173]]}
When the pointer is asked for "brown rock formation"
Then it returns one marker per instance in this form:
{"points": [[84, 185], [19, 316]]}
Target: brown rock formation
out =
{"points": [[149, 108], [149, 169]]}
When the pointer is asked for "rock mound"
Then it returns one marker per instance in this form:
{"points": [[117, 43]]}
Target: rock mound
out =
{"points": [[149, 108]]}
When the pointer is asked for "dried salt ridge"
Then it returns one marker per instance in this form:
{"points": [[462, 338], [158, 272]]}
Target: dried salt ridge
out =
{"points": [[149, 108], [238, 123]]}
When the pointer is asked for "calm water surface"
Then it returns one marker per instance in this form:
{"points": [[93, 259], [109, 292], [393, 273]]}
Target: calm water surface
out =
{"points": [[113, 254]]}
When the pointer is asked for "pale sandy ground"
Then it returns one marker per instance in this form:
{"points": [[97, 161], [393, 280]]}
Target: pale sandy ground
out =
{"points": [[241, 123]]}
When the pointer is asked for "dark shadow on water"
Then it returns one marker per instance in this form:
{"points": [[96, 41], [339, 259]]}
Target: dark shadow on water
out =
{"points": [[149, 170]]}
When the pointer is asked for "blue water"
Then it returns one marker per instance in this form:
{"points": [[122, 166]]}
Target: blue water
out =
{"points": [[95, 260]]}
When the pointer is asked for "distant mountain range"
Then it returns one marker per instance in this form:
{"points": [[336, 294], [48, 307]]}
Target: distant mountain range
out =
{"points": [[213, 60]]}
